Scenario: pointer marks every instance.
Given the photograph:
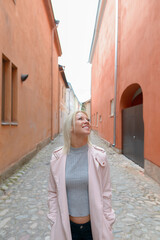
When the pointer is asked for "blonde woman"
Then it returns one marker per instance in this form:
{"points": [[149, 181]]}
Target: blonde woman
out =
{"points": [[79, 186]]}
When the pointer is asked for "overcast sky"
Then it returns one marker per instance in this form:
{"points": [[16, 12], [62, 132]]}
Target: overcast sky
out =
{"points": [[77, 20]]}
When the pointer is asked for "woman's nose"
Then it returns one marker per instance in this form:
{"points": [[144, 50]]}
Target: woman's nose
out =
{"points": [[86, 121]]}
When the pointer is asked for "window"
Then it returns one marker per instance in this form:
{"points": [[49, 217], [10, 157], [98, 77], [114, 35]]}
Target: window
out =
{"points": [[9, 92], [64, 95], [112, 108], [100, 118], [97, 119], [6, 90], [3, 89], [62, 92], [14, 94]]}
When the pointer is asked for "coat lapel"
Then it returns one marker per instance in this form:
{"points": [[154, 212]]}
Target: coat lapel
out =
{"points": [[62, 199], [94, 192]]}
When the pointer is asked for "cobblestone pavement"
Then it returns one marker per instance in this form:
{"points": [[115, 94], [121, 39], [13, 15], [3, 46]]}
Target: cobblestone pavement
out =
{"points": [[23, 199]]}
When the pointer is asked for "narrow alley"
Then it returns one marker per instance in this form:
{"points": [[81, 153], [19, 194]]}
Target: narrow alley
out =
{"points": [[23, 199]]}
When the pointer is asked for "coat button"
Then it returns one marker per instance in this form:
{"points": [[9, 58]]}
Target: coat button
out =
{"points": [[81, 227]]}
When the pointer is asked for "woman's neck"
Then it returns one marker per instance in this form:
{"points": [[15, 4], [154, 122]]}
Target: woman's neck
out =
{"points": [[77, 142]]}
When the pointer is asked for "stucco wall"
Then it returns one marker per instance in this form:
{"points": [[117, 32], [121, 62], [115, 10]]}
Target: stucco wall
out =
{"points": [[102, 88], [63, 111], [138, 63], [26, 41]]}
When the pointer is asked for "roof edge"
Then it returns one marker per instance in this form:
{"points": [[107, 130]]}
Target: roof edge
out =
{"points": [[51, 17], [98, 21], [61, 71]]}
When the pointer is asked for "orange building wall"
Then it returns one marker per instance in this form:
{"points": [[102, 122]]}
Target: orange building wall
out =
{"points": [[102, 90], [138, 62], [140, 34], [62, 102], [62, 93], [26, 40]]}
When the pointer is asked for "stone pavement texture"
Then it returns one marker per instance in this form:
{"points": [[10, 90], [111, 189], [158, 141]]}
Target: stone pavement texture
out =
{"points": [[23, 199]]}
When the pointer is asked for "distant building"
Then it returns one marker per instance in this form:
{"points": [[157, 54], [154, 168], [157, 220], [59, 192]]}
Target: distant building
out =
{"points": [[63, 86], [86, 106], [72, 101], [126, 80], [29, 51]]}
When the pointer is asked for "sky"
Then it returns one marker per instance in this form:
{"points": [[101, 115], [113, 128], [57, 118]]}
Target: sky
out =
{"points": [[76, 27]]}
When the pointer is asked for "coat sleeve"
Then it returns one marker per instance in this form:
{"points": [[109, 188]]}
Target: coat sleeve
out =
{"points": [[107, 193], [52, 196]]}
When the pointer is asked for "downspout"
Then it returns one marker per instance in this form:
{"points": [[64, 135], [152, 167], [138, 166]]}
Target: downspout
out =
{"points": [[52, 42], [115, 72], [69, 100], [59, 104], [58, 100]]}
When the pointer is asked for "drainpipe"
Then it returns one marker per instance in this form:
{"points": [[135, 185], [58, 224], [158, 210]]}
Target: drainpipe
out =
{"points": [[52, 42], [58, 100], [59, 104], [69, 101], [115, 72]]}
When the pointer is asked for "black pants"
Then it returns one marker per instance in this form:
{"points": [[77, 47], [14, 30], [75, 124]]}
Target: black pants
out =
{"points": [[81, 231]]}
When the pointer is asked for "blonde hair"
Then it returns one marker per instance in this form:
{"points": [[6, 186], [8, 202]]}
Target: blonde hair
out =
{"points": [[68, 124]]}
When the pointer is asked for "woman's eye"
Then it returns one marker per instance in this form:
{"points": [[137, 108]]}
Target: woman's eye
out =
{"points": [[86, 119]]}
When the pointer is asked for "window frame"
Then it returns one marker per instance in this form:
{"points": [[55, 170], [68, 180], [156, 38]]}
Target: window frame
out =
{"points": [[9, 98], [112, 107]]}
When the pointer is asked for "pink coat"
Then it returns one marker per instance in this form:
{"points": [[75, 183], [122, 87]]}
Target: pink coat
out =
{"points": [[101, 213]]}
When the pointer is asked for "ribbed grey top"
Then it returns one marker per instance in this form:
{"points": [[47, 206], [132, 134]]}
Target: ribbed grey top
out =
{"points": [[77, 181]]}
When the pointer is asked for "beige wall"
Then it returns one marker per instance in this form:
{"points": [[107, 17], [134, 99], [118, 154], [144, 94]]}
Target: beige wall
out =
{"points": [[63, 111]]}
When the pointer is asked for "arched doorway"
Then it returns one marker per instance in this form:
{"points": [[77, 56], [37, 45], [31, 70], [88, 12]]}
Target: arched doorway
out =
{"points": [[132, 124]]}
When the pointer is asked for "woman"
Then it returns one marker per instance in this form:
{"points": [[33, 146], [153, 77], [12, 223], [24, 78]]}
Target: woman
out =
{"points": [[79, 186]]}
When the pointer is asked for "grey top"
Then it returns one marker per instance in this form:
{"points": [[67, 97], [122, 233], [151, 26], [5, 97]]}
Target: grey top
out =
{"points": [[77, 181]]}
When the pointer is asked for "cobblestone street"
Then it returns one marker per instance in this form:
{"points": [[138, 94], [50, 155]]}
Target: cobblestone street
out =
{"points": [[23, 199]]}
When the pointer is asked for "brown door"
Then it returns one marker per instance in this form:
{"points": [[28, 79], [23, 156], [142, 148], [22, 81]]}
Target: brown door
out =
{"points": [[133, 134]]}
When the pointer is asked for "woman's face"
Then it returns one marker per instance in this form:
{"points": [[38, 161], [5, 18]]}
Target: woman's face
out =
{"points": [[82, 125]]}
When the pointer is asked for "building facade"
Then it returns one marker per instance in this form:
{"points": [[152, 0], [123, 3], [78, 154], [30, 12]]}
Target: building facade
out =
{"points": [[125, 79], [86, 106], [29, 50], [63, 86], [73, 104]]}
